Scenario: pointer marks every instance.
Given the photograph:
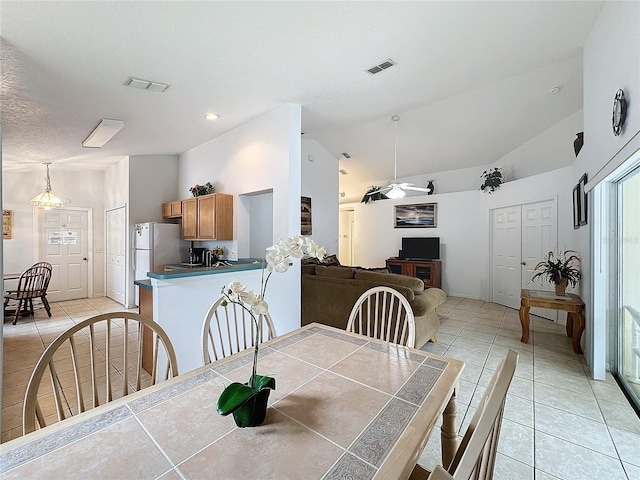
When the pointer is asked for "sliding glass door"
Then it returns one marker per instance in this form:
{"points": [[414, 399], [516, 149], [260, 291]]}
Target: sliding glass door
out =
{"points": [[628, 259]]}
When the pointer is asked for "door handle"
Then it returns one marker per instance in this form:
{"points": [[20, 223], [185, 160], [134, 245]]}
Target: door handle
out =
{"points": [[84, 258], [523, 263]]}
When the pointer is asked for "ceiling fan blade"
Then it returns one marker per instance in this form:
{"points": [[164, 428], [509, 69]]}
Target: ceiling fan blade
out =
{"points": [[417, 189], [380, 190]]}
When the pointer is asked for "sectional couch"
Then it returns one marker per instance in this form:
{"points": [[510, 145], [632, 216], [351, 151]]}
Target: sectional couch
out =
{"points": [[329, 293]]}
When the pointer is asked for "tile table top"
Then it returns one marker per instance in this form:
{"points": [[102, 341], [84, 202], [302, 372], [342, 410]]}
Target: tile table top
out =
{"points": [[345, 406]]}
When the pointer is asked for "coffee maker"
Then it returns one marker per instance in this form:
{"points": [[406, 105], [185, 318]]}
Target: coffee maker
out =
{"points": [[196, 255]]}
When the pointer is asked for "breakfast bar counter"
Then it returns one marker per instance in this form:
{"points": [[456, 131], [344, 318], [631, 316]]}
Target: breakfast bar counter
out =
{"points": [[345, 406]]}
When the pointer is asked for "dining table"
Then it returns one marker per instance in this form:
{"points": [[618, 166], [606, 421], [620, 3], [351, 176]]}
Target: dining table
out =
{"points": [[345, 406]]}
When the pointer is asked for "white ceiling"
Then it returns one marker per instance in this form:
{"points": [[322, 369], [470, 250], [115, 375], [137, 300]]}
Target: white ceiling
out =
{"points": [[470, 85]]}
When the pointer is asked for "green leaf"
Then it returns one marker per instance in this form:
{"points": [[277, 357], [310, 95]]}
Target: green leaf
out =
{"points": [[233, 397], [262, 382]]}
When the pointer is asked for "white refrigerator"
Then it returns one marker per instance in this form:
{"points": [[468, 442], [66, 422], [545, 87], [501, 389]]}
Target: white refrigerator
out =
{"points": [[154, 245]]}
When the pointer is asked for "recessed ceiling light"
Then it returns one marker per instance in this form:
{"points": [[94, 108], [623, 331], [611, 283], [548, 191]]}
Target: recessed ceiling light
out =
{"points": [[211, 116], [555, 89]]}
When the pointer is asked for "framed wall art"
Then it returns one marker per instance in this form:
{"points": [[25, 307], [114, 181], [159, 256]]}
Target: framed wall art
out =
{"points": [[420, 215], [583, 200], [576, 206], [305, 216], [7, 224]]}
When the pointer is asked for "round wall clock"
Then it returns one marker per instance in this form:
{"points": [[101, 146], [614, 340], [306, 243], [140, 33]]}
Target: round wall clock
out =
{"points": [[619, 112]]}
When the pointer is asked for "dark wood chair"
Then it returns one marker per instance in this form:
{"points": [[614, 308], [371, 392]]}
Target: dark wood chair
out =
{"points": [[32, 284]]}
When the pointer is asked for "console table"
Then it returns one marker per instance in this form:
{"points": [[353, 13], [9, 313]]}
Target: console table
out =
{"points": [[570, 303], [429, 271]]}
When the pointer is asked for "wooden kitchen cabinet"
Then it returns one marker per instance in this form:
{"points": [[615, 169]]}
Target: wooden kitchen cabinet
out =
{"points": [[172, 209], [208, 217], [430, 272]]}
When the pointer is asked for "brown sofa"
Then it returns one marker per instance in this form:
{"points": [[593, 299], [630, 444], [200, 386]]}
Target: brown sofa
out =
{"points": [[329, 293]]}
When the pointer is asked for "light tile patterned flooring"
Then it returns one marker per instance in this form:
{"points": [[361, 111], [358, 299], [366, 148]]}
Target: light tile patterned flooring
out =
{"points": [[557, 422], [24, 343]]}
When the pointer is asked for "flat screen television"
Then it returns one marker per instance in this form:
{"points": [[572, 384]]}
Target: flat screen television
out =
{"points": [[420, 248]]}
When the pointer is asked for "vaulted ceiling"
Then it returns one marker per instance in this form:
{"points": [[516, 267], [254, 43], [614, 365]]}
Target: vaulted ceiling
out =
{"points": [[471, 81]]}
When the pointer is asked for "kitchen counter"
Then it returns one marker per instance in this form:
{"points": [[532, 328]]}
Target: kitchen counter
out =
{"points": [[182, 270]]}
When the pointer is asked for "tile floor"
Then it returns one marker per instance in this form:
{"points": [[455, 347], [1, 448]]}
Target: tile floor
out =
{"points": [[557, 422], [23, 345]]}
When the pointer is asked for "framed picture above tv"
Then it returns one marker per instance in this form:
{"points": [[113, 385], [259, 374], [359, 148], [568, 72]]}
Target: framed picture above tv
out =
{"points": [[419, 215]]}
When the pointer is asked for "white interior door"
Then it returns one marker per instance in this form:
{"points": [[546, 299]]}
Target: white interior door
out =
{"points": [[345, 245], [64, 244], [116, 250], [539, 236], [521, 237], [506, 257]]}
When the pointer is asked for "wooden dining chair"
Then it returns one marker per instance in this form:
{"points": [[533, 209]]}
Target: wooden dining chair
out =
{"points": [[385, 314], [32, 285], [476, 455], [228, 328], [94, 362]]}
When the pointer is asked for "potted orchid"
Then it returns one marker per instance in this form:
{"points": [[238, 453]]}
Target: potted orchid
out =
{"points": [[248, 401]]}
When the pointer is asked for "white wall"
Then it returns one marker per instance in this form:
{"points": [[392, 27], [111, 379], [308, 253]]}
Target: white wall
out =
{"points": [[152, 182], [320, 183], [261, 155], [463, 228], [611, 62], [84, 189], [550, 150]]}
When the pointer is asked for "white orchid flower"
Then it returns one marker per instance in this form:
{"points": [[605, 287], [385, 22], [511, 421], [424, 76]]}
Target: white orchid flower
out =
{"points": [[258, 305], [235, 290], [314, 250], [276, 262], [295, 246]]}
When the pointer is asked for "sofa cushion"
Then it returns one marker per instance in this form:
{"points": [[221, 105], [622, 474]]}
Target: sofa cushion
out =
{"points": [[308, 269], [391, 279], [334, 272]]}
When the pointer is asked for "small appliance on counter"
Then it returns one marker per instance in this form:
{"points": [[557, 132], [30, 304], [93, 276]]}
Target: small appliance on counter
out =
{"points": [[196, 256]]}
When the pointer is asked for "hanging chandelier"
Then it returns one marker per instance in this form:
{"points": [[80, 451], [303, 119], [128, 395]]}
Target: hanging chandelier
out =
{"points": [[47, 199]]}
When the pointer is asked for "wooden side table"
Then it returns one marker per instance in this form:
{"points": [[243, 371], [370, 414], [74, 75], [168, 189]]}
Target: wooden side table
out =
{"points": [[571, 303]]}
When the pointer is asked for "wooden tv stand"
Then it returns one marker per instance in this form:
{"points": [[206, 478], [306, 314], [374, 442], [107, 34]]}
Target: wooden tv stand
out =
{"points": [[429, 271]]}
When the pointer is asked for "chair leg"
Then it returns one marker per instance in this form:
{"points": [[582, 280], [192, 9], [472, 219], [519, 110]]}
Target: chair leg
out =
{"points": [[45, 302], [18, 310], [434, 339]]}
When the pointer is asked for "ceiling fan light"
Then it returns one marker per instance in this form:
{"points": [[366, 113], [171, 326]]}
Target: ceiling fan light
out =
{"points": [[396, 193]]}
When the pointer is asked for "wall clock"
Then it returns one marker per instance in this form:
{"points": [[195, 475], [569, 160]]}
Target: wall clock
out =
{"points": [[619, 112]]}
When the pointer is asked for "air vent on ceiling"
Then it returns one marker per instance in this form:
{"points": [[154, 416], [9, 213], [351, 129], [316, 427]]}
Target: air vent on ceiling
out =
{"points": [[346, 155], [343, 171], [381, 66], [146, 84]]}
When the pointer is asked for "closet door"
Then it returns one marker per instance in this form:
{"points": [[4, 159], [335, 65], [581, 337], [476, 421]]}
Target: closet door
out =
{"points": [[521, 237]]}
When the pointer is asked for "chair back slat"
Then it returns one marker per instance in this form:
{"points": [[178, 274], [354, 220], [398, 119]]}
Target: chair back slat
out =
{"points": [[385, 314], [476, 455], [70, 379], [234, 333]]}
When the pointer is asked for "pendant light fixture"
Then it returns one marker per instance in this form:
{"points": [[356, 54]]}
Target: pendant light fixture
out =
{"points": [[47, 199]]}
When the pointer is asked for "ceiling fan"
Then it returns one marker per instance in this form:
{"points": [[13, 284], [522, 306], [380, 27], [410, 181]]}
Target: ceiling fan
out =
{"points": [[394, 189]]}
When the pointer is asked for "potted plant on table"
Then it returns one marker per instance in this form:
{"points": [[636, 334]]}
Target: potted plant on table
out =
{"points": [[248, 401], [559, 269]]}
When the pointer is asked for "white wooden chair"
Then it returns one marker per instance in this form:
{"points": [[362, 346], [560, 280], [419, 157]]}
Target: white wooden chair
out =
{"points": [[385, 314], [92, 363], [229, 329], [476, 455]]}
